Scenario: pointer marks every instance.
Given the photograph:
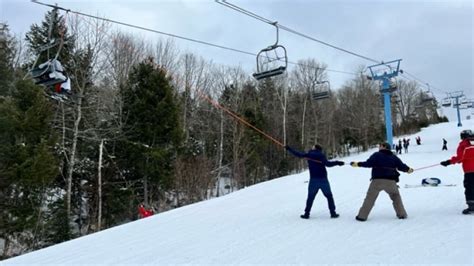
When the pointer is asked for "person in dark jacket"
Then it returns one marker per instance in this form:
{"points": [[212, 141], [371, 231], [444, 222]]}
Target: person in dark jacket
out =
{"points": [[317, 164], [384, 166], [465, 155], [445, 147]]}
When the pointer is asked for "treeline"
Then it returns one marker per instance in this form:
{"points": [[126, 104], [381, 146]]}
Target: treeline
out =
{"points": [[139, 128]]}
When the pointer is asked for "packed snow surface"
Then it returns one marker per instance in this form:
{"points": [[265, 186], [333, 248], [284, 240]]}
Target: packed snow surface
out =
{"points": [[261, 224]]}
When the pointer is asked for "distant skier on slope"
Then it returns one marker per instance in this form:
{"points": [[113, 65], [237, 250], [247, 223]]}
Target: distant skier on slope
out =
{"points": [[465, 155], [384, 166], [317, 163], [445, 147], [144, 212]]}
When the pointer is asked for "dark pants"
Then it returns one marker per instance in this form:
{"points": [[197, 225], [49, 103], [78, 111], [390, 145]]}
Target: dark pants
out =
{"points": [[469, 188], [314, 185]]}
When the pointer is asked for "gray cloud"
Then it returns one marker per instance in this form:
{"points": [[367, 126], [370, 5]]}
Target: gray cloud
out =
{"points": [[434, 38]]}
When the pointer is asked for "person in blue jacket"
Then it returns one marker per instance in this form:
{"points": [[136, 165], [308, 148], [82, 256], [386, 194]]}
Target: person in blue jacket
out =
{"points": [[384, 166], [317, 163]]}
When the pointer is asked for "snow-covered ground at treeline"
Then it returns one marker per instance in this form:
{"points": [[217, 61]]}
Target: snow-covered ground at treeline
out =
{"points": [[261, 224]]}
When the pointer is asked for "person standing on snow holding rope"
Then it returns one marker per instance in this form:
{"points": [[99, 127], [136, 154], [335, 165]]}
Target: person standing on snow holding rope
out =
{"points": [[317, 164], [384, 166], [465, 155]]}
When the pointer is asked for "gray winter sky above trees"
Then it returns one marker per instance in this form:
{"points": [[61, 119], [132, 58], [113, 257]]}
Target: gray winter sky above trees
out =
{"points": [[434, 38]]}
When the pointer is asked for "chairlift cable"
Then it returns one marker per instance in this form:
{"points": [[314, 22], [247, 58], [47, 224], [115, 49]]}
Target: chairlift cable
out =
{"points": [[145, 29], [253, 15], [172, 35], [421, 82], [246, 12]]}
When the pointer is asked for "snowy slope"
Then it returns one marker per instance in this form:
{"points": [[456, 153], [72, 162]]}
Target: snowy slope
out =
{"points": [[261, 224]]}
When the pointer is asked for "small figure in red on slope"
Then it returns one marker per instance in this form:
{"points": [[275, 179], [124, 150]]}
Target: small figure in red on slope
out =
{"points": [[144, 212]]}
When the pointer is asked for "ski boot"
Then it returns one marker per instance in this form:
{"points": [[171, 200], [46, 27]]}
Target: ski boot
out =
{"points": [[304, 216], [469, 210]]}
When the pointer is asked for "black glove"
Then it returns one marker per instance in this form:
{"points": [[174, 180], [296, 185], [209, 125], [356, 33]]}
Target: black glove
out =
{"points": [[287, 147], [445, 163], [340, 163]]}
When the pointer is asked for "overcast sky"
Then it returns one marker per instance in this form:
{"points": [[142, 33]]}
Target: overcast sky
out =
{"points": [[434, 38]]}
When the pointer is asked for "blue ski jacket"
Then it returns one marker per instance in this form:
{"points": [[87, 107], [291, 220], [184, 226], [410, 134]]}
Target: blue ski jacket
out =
{"points": [[384, 165], [317, 162]]}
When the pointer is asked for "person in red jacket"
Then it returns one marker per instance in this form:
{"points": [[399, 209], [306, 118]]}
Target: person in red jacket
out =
{"points": [[465, 155], [144, 212]]}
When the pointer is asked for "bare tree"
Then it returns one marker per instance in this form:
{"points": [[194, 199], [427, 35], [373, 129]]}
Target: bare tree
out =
{"points": [[360, 111], [87, 62], [305, 78]]}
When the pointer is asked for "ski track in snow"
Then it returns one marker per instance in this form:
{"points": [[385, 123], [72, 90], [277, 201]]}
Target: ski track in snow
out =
{"points": [[261, 225]]}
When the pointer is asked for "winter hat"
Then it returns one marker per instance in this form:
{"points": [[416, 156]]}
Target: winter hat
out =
{"points": [[318, 147], [385, 145], [467, 133]]}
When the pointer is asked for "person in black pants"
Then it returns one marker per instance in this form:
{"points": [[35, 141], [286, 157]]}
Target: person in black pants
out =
{"points": [[445, 147], [317, 163]]}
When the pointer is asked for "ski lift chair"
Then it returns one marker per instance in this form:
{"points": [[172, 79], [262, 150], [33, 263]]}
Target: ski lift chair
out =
{"points": [[49, 73], [267, 60], [271, 61], [426, 98], [323, 94], [446, 102]]}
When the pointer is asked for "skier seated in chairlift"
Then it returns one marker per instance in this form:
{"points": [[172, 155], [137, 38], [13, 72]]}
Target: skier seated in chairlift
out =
{"points": [[64, 87]]}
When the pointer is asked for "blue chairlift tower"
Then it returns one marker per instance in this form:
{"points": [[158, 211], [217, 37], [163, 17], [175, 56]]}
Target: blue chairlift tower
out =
{"points": [[456, 96], [385, 72]]}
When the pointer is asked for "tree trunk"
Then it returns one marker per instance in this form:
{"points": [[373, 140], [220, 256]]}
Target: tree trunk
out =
{"points": [[99, 187], [221, 151], [145, 190], [72, 159], [303, 120]]}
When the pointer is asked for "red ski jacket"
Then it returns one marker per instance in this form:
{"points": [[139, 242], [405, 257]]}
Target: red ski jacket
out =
{"points": [[465, 155], [143, 212]]}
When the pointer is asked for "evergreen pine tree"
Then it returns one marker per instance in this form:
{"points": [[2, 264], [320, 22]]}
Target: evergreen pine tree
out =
{"points": [[152, 129], [27, 163], [7, 47]]}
